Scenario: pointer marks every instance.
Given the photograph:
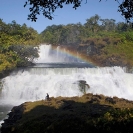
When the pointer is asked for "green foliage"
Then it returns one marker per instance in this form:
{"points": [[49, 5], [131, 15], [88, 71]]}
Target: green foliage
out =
{"points": [[123, 50], [18, 45], [24, 53], [61, 34], [7, 62], [128, 36], [77, 33]]}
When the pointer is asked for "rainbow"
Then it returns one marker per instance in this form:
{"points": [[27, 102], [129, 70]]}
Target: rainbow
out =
{"points": [[73, 53]]}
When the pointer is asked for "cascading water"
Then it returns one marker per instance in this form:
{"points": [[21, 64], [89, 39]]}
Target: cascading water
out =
{"points": [[30, 84], [33, 83]]}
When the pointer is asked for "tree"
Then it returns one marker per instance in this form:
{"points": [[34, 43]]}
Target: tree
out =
{"points": [[47, 7], [18, 45], [108, 24], [121, 26], [126, 8], [93, 23]]}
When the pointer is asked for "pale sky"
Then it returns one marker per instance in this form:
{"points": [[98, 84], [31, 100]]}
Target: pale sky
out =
{"points": [[14, 10]]}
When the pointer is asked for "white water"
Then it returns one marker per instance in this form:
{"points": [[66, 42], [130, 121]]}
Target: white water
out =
{"points": [[36, 82]]}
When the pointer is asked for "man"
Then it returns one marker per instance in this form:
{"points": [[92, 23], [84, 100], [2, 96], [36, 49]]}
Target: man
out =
{"points": [[47, 96]]}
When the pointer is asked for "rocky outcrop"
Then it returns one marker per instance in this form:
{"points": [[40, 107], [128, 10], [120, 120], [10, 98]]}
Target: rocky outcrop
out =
{"points": [[93, 113], [13, 116], [83, 86]]}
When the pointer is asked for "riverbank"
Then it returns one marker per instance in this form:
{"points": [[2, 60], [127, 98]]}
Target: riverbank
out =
{"points": [[88, 113]]}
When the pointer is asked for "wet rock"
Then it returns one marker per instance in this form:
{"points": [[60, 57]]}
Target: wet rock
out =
{"points": [[13, 117], [83, 86]]}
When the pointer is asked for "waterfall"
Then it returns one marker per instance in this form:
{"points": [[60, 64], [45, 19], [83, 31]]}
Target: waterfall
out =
{"points": [[48, 54], [30, 84], [33, 83], [45, 54], [58, 48]]}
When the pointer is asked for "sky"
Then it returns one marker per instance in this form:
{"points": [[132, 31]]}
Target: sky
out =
{"points": [[14, 10]]}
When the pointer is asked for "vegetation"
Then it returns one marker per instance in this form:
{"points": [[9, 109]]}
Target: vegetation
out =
{"points": [[89, 113], [17, 45]]}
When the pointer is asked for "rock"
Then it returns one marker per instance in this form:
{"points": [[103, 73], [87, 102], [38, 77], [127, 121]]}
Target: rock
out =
{"points": [[68, 114], [110, 100], [14, 116], [83, 86]]}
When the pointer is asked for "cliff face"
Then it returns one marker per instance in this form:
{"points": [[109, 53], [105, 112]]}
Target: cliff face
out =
{"points": [[89, 113]]}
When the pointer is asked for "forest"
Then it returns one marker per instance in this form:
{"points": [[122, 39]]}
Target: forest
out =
{"points": [[108, 42]]}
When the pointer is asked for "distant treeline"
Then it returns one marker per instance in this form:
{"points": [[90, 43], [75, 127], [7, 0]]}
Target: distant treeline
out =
{"points": [[80, 33]]}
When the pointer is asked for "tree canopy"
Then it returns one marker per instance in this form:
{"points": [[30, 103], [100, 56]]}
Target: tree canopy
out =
{"points": [[18, 45], [48, 7]]}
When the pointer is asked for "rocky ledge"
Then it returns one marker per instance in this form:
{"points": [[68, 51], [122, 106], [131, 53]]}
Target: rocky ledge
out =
{"points": [[89, 113]]}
